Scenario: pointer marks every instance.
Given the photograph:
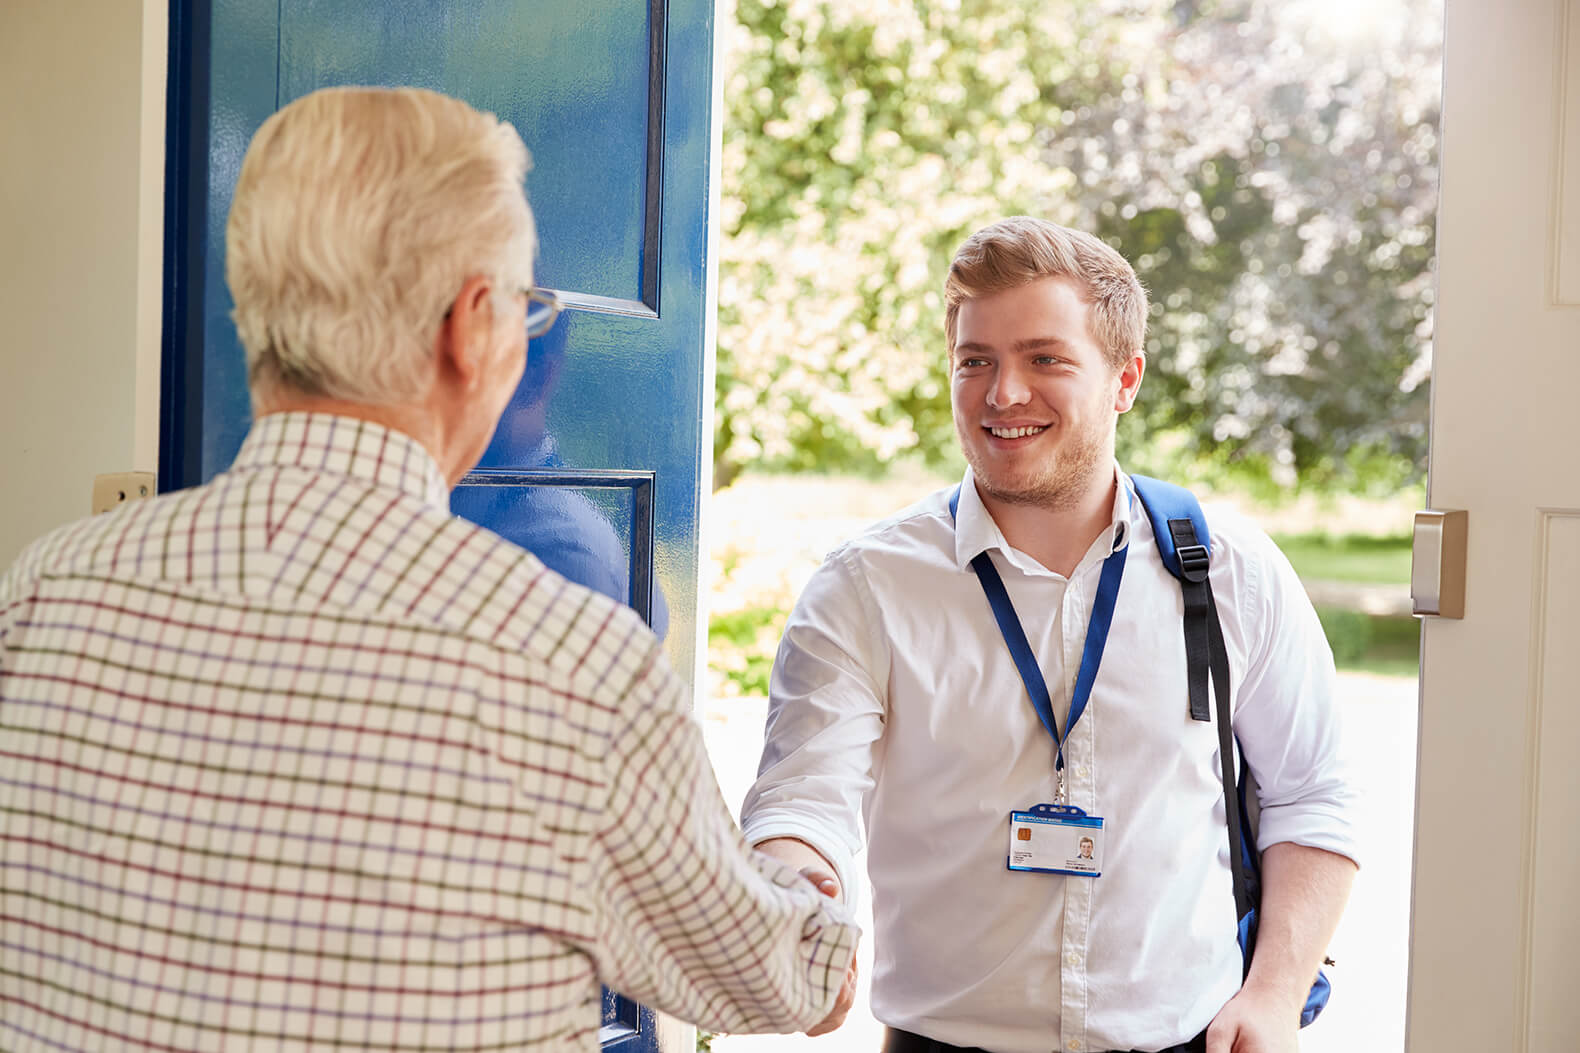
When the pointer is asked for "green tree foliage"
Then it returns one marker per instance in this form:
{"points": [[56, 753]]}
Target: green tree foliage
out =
{"points": [[1268, 165]]}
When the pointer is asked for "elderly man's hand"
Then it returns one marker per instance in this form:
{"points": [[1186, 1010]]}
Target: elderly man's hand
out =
{"points": [[810, 864], [842, 1004], [824, 882]]}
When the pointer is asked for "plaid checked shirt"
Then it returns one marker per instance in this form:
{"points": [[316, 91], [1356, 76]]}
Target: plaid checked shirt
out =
{"points": [[298, 760]]}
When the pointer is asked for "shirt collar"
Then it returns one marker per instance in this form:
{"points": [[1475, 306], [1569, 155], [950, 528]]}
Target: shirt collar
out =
{"points": [[348, 446], [976, 532]]}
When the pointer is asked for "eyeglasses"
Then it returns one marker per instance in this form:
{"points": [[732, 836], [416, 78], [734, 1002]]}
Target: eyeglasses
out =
{"points": [[543, 307]]}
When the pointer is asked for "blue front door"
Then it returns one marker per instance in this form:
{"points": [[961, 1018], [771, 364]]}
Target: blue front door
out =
{"points": [[598, 464]]}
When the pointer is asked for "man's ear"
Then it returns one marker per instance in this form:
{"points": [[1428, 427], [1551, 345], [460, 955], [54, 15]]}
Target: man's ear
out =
{"points": [[1129, 382], [464, 342]]}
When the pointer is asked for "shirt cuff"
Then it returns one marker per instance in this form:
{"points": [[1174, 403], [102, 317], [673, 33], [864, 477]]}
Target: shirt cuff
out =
{"points": [[1311, 825]]}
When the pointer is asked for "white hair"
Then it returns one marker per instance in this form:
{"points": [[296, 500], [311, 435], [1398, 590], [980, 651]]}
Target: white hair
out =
{"points": [[358, 215]]}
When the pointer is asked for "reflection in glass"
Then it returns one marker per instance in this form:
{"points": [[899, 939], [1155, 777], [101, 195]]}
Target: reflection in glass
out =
{"points": [[584, 533]]}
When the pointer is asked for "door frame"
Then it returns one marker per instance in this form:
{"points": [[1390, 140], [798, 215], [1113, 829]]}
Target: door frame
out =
{"points": [[186, 171]]}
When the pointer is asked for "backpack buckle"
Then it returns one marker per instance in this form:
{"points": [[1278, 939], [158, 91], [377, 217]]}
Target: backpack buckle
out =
{"points": [[1193, 562]]}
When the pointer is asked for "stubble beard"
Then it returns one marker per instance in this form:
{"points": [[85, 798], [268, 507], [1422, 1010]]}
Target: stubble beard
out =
{"points": [[1056, 486]]}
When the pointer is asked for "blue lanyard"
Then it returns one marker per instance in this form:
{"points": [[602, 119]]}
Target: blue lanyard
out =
{"points": [[1020, 650]]}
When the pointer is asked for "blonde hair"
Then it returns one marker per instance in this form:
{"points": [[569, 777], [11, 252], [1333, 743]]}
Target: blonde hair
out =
{"points": [[358, 215], [1022, 249]]}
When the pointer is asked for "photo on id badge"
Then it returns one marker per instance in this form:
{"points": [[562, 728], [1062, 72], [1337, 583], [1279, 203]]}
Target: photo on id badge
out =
{"points": [[1056, 844]]}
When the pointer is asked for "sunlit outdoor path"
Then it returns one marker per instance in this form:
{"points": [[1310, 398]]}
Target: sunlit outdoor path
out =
{"points": [[1367, 1011]]}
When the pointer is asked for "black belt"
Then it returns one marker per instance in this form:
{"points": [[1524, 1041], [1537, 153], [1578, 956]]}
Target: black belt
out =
{"points": [[897, 1041]]}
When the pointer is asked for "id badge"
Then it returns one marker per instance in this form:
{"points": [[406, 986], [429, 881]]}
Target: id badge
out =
{"points": [[1056, 839]]}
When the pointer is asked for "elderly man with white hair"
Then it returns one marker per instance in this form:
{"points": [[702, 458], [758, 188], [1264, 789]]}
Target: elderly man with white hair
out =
{"points": [[298, 759]]}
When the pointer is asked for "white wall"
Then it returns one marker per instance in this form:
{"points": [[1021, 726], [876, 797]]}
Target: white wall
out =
{"points": [[81, 224]]}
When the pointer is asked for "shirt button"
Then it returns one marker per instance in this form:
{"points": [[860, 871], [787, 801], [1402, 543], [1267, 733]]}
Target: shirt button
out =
{"points": [[1073, 958], [1082, 772], [1072, 1044]]}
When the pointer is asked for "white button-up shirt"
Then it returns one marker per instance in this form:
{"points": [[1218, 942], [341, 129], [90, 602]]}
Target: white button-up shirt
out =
{"points": [[895, 702]]}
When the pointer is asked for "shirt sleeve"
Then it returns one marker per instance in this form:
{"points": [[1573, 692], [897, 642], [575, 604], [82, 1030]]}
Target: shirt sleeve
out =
{"points": [[691, 920], [1287, 716], [8, 607], [826, 711], [17, 585]]}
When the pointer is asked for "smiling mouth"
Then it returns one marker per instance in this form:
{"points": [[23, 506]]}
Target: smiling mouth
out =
{"points": [[1017, 433]]}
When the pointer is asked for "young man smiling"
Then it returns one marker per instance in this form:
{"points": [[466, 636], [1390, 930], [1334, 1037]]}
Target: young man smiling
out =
{"points": [[896, 702]]}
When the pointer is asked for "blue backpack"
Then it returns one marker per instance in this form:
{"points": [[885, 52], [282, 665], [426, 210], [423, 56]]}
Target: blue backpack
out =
{"points": [[1186, 548]]}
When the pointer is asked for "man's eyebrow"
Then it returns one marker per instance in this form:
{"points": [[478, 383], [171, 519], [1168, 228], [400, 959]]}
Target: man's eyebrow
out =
{"points": [[1035, 343]]}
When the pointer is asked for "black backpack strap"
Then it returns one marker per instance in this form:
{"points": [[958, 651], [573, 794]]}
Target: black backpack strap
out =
{"points": [[1193, 561], [1185, 547], [1226, 752]]}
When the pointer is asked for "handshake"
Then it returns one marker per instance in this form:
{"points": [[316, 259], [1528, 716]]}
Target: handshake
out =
{"points": [[820, 872]]}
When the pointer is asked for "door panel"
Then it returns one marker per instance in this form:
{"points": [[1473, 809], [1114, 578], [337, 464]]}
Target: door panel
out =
{"points": [[1553, 1019], [583, 110], [595, 528], [626, 1025], [1497, 853], [601, 459]]}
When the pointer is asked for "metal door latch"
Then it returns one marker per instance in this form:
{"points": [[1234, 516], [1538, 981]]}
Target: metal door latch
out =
{"points": [[1437, 564]]}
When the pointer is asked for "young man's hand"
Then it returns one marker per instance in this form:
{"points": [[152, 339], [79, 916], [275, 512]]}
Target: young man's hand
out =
{"points": [[1254, 1021], [796, 853]]}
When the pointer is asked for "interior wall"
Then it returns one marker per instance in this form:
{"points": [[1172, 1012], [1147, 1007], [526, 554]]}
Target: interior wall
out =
{"points": [[81, 225]]}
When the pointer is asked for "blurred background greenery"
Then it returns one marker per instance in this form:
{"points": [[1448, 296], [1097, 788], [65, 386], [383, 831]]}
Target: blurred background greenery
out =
{"points": [[1269, 166]]}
